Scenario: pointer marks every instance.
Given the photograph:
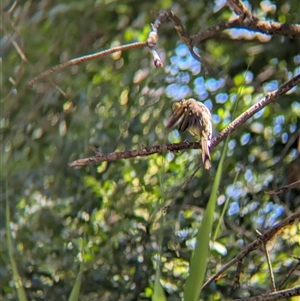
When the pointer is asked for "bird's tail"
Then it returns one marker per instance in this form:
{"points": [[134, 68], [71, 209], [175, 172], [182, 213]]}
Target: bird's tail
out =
{"points": [[205, 153]]}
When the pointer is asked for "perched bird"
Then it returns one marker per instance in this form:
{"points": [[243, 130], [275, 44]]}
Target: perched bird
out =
{"points": [[195, 117]]}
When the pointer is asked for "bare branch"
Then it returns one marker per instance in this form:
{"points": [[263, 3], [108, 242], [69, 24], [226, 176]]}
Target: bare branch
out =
{"points": [[266, 27], [161, 18], [84, 59], [288, 144], [19, 50], [152, 40], [246, 20], [290, 272], [238, 273], [186, 183], [182, 33], [291, 292], [240, 8], [284, 188], [269, 98], [264, 247], [271, 27], [213, 30], [200, 59], [151, 43], [185, 38], [266, 236], [142, 152], [146, 151], [156, 58]]}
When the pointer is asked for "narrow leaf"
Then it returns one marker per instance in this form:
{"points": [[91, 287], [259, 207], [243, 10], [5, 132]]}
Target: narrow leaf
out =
{"points": [[200, 256], [74, 296], [17, 281], [158, 294]]}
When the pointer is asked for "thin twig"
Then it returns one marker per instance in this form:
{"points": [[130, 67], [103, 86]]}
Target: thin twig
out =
{"points": [[146, 151], [156, 58], [269, 98], [240, 8], [152, 41], [186, 183], [186, 39], [284, 188], [266, 236], [264, 247], [183, 35], [291, 292], [238, 273], [161, 18], [292, 139], [265, 27], [246, 21], [84, 59], [290, 142], [289, 273], [199, 58], [19, 50]]}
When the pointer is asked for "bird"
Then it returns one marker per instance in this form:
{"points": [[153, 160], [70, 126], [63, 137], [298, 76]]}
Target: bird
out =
{"points": [[195, 117]]}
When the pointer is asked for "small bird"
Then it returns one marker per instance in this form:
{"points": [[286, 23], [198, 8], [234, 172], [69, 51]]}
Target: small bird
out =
{"points": [[195, 117]]}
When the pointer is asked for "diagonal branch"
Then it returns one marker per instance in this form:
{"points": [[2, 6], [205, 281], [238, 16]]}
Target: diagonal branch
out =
{"points": [[84, 59], [272, 279], [290, 272], [266, 27], [266, 236], [146, 151], [245, 20], [284, 188], [237, 276], [186, 39], [284, 294], [240, 8], [269, 98]]}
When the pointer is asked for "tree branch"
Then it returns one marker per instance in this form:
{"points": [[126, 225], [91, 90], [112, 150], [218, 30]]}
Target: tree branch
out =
{"points": [[291, 292], [84, 59], [240, 8], [186, 39], [288, 144], [266, 236], [238, 273], [284, 188], [290, 272], [146, 151], [272, 279], [245, 20], [266, 27], [185, 184]]}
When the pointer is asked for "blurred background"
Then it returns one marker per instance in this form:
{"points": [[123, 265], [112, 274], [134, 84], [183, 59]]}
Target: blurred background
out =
{"points": [[121, 102]]}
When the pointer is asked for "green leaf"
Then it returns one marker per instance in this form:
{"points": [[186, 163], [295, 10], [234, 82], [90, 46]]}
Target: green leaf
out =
{"points": [[17, 280], [74, 296], [158, 294], [200, 256]]}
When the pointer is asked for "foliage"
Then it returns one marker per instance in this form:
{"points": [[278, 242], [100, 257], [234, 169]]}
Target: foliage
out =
{"points": [[121, 102]]}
